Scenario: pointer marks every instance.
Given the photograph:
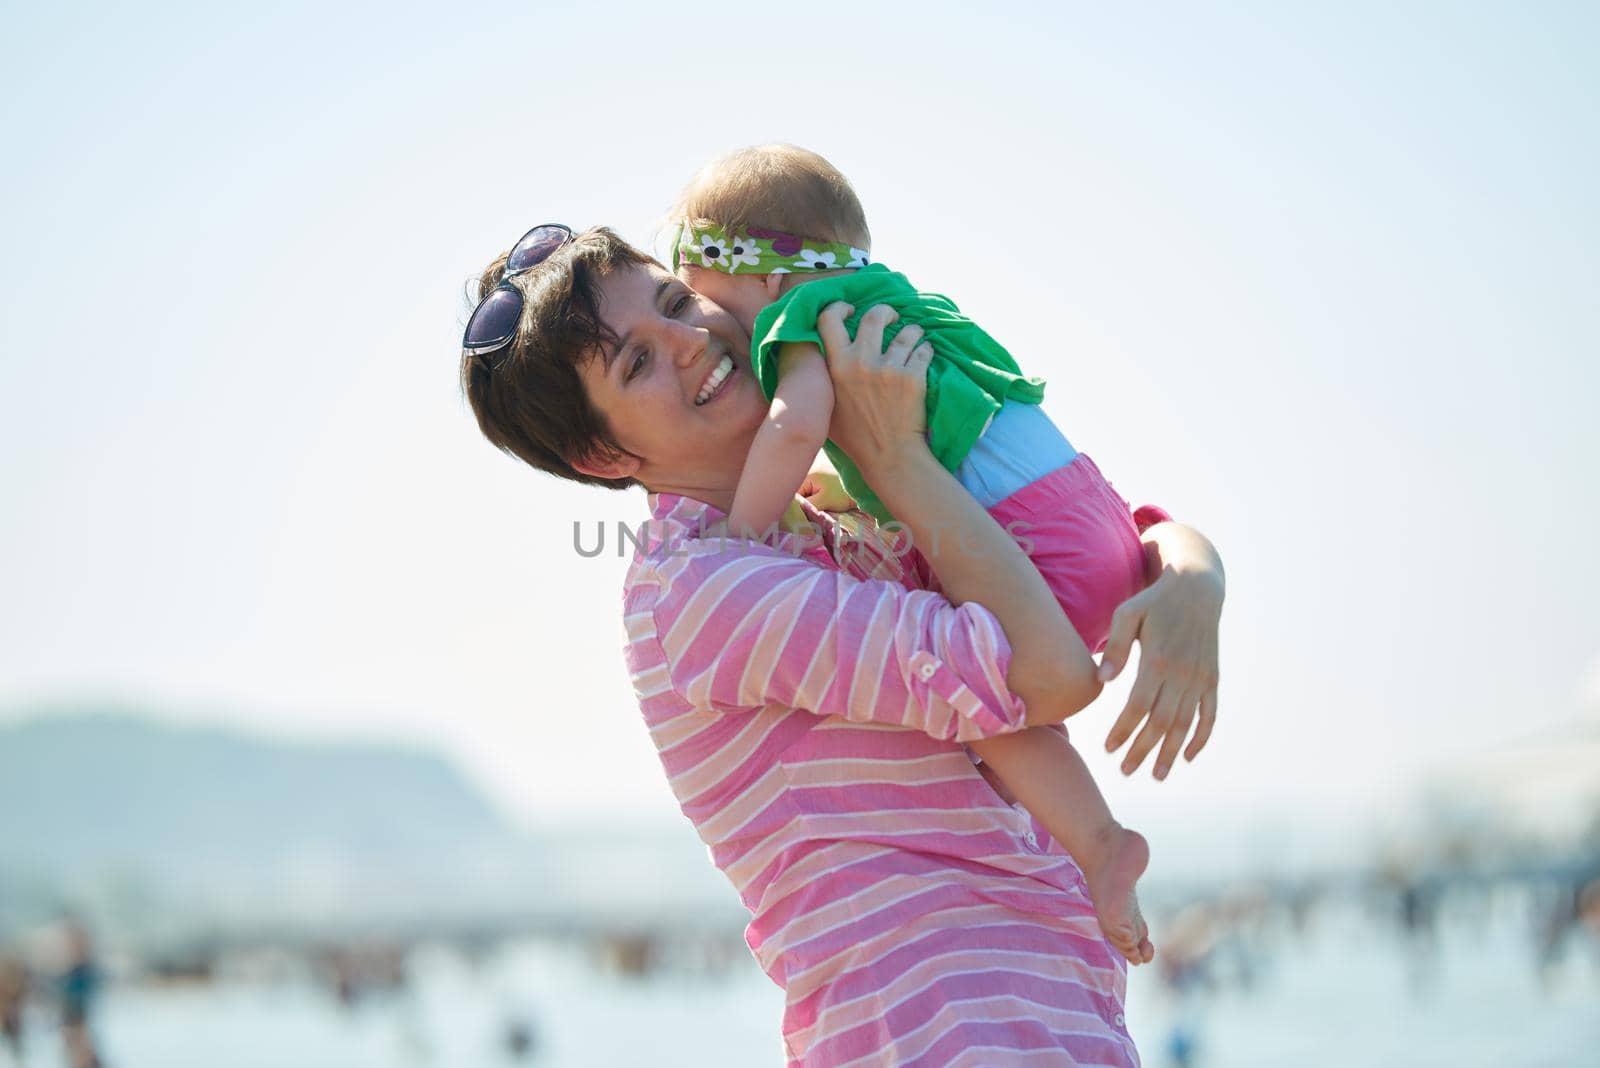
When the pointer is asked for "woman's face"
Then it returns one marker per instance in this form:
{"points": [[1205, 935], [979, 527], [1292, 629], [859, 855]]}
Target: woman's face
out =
{"points": [[676, 391]]}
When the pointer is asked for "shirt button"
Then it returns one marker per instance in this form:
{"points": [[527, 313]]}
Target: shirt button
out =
{"points": [[926, 671], [1119, 1020], [1031, 838]]}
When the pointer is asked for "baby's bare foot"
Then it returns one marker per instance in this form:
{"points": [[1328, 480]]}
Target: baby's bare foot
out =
{"points": [[1124, 855]]}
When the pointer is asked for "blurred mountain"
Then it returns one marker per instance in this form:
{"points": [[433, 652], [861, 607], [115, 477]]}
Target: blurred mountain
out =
{"points": [[200, 812], [100, 786], [164, 824]]}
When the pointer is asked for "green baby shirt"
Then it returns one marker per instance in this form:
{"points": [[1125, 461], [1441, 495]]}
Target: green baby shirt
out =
{"points": [[968, 379]]}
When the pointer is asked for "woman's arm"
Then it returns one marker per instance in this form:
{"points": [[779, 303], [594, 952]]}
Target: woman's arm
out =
{"points": [[879, 420], [1175, 620], [871, 650], [760, 627], [787, 442]]}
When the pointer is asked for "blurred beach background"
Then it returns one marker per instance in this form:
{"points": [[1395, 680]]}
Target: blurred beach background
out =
{"points": [[316, 747]]}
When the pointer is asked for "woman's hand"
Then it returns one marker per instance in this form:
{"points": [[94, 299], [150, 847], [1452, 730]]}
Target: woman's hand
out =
{"points": [[879, 393], [1175, 619], [879, 420]]}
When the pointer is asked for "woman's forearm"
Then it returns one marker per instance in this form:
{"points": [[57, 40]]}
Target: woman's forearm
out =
{"points": [[976, 560]]}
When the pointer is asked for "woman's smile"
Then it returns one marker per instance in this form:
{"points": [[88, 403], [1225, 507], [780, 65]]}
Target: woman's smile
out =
{"points": [[716, 381]]}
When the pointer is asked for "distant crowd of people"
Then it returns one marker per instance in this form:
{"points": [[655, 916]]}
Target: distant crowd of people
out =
{"points": [[62, 974], [1226, 943], [1206, 947]]}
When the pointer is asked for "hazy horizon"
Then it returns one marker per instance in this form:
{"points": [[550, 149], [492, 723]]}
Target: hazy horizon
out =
{"points": [[1320, 282]]}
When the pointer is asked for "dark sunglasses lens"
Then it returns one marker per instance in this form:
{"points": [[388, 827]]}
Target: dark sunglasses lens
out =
{"points": [[536, 247], [495, 321]]}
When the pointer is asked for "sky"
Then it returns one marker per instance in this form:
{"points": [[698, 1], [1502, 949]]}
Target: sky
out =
{"points": [[1319, 279]]}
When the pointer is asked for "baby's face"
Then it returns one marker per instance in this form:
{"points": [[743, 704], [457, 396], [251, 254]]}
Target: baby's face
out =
{"points": [[741, 295]]}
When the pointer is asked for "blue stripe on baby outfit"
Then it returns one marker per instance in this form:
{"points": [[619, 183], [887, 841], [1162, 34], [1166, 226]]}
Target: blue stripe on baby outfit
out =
{"points": [[1020, 446]]}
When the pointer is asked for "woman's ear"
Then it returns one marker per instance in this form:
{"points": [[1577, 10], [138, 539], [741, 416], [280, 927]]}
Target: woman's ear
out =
{"points": [[603, 464]]}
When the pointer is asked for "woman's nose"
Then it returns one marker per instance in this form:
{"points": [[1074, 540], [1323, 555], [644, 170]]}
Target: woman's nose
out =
{"points": [[690, 341]]}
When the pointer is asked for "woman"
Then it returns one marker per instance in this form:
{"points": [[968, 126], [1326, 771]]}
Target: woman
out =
{"points": [[809, 697]]}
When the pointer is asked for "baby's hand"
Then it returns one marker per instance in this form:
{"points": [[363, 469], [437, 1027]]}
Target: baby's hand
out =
{"points": [[824, 491]]}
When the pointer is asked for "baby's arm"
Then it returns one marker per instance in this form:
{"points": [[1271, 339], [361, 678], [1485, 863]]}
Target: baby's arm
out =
{"points": [[787, 442], [1047, 775]]}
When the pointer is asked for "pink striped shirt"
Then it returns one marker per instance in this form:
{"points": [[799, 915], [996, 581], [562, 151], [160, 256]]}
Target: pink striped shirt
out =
{"points": [[808, 699]]}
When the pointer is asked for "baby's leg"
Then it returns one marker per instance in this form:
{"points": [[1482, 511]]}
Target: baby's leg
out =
{"points": [[1047, 775]]}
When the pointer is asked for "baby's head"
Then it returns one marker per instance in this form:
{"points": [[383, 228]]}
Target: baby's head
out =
{"points": [[750, 210]]}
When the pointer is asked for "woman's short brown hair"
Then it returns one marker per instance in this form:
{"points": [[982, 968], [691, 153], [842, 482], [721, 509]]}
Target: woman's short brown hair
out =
{"points": [[529, 397]]}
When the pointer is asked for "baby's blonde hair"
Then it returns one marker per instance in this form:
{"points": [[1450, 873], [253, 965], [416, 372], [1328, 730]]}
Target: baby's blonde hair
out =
{"points": [[775, 187]]}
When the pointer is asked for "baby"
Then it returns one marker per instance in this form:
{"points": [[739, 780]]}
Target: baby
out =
{"points": [[775, 234]]}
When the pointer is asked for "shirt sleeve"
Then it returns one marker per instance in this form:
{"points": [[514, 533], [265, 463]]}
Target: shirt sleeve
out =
{"points": [[740, 631]]}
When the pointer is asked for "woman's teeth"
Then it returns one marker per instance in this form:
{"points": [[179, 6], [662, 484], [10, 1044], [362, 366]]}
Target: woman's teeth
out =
{"points": [[713, 382]]}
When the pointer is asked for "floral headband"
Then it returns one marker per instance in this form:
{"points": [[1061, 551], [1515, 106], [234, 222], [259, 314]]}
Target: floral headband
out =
{"points": [[755, 251]]}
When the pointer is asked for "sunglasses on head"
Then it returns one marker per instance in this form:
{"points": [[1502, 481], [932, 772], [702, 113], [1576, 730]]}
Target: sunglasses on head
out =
{"points": [[494, 321]]}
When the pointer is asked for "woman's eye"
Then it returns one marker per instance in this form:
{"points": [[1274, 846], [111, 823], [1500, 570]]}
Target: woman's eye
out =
{"points": [[638, 362], [680, 304]]}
